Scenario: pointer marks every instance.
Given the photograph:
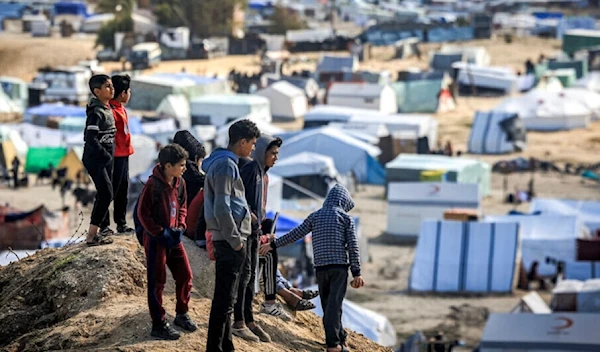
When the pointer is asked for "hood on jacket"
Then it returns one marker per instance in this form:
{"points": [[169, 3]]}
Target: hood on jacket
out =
{"points": [[218, 154], [260, 149], [339, 196], [189, 143], [158, 174], [95, 103]]}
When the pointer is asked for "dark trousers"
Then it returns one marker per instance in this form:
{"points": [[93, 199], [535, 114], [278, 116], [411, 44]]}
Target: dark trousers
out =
{"points": [[158, 258], [268, 265], [227, 272], [242, 310], [120, 183], [333, 282], [102, 177]]}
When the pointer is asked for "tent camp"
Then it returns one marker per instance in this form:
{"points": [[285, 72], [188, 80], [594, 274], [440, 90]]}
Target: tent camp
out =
{"points": [[587, 211], [373, 326], [547, 111], [333, 67], [308, 170], [222, 136], [38, 136], [42, 114], [144, 156], [546, 236], [410, 203], [590, 99], [369, 96], [420, 96], [410, 167], [453, 256], [177, 107], [151, 90], [28, 229], [288, 102], [497, 133], [72, 162], [220, 109], [350, 154], [41, 158], [558, 332], [309, 86]]}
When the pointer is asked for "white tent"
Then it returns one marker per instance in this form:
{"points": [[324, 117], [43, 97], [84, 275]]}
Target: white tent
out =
{"points": [[547, 111], [349, 154], [453, 256], [160, 126], [546, 236], [9, 134], [587, 211], [589, 98], [38, 136], [220, 109], [176, 106], [288, 102], [363, 95], [589, 82], [496, 133], [144, 156], [222, 136], [305, 163], [373, 326], [409, 203], [559, 332]]}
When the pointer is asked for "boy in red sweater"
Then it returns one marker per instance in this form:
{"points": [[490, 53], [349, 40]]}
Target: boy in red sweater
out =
{"points": [[162, 211], [123, 149]]}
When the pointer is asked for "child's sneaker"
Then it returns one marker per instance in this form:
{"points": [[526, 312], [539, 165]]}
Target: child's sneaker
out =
{"points": [[184, 321], [275, 310], [165, 332], [245, 333]]}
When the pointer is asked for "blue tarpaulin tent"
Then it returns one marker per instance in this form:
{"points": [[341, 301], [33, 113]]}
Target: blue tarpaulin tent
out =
{"points": [[57, 109]]}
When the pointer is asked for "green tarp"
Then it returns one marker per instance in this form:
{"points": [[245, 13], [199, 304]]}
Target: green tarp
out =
{"points": [[579, 40], [417, 96], [580, 66], [40, 158]]}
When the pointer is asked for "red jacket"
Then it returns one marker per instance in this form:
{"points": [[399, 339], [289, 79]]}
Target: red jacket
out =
{"points": [[154, 217], [123, 147], [194, 214]]}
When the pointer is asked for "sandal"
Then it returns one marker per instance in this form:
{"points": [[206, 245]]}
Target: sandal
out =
{"points": [[310, 294], [304, 304], [106, 231], [99, 240]]}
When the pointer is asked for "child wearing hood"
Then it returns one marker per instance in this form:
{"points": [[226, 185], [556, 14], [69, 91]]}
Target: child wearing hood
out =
{"points": [[335, 248]]}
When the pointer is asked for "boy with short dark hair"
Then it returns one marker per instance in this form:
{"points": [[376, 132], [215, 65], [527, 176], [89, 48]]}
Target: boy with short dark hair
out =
{"points": [[98, 150], [162, 214], [228, 220], [123, 149], [335, 248]]}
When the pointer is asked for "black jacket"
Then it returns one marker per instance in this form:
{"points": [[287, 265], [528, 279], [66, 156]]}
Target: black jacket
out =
{"points": [[194, 180], [99, 134]]}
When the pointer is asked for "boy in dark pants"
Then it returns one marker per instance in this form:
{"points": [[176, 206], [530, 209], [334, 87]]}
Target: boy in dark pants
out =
{"points": [[334, 242], [123, 149], [163, 218], [98, 150], [228, 220]]}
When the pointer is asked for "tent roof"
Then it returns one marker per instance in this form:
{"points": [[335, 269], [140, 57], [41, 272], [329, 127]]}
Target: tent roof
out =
{"points": [[174, 105], [285, 88], [309, 138], [196, 79], [542, 104], [356, 89], [430, 162], [330, 63], [230, 99], [57, 109], [306, 163], [309, 35]]}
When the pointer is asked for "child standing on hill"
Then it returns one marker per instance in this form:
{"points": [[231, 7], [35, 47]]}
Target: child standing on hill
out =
{"points": [[98, 151], [162, 211], [335, 249]]}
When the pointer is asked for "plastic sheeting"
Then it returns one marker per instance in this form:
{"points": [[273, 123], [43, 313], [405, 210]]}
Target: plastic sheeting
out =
{"points": [[417, 96], [456, 256], [489, 137], [587, 211]]}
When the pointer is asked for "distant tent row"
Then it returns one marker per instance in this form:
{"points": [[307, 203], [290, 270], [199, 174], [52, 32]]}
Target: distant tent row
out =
{"points": [[308, 170]]}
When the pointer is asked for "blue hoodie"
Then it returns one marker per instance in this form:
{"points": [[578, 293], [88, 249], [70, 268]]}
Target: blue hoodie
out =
{"points": [[225, 209], [333, 232]]}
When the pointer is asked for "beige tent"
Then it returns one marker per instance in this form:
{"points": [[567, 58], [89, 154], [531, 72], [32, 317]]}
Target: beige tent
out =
{"points": [[72, 162], [7, 155]]}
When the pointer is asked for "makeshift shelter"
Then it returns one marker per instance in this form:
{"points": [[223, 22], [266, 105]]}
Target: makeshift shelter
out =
{"points": [[544, 236], [309, 86], [8, 134], [72, 161], [580, 39], [557, 332], [310, 171], [453, 256], [418, 95], [333, 67], [38, 136], [27, 230], [497, 79], [372, 325], [409, 203], [587, 211], [580, 66], [221, 109], [409, 167], [350, 155], [42, 114], [151, 90], [370, 96], [177, 107], [531, 303], [590, 99], [72, 124], [589, 82], [443, 59], [497, 133], [222, 135], [547, 111], [16, 90], [40, 158], [145, 155], [288, 103]]}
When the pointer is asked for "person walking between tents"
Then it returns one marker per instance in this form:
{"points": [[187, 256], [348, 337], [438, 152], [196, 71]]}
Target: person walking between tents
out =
{"points": [[16, 163]]}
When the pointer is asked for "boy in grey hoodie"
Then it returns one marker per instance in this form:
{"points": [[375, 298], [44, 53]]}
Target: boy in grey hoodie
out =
{"points": [[228, 219]]}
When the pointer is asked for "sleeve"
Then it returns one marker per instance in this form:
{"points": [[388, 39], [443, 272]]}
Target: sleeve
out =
{"points": [[352, 247], [91, 134], [249, 173], [297, 233], [223, 188], [182, 207], [145, 206]]}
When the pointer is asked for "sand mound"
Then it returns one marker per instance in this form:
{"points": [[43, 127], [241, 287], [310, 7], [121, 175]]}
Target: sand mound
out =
{"points": [[78, 298]]}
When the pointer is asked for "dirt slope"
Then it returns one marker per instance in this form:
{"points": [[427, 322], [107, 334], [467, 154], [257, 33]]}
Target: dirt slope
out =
{"points": [[78, 298]]}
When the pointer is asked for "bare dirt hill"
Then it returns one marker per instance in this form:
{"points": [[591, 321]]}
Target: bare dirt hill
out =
{"points": [[94, 299]]}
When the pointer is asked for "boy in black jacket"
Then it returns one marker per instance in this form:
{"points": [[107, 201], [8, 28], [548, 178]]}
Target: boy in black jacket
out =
{"points": [[98, 152]]}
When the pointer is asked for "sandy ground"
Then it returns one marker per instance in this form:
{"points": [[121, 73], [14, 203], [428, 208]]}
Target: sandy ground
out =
{"points": [[387, 275]]}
